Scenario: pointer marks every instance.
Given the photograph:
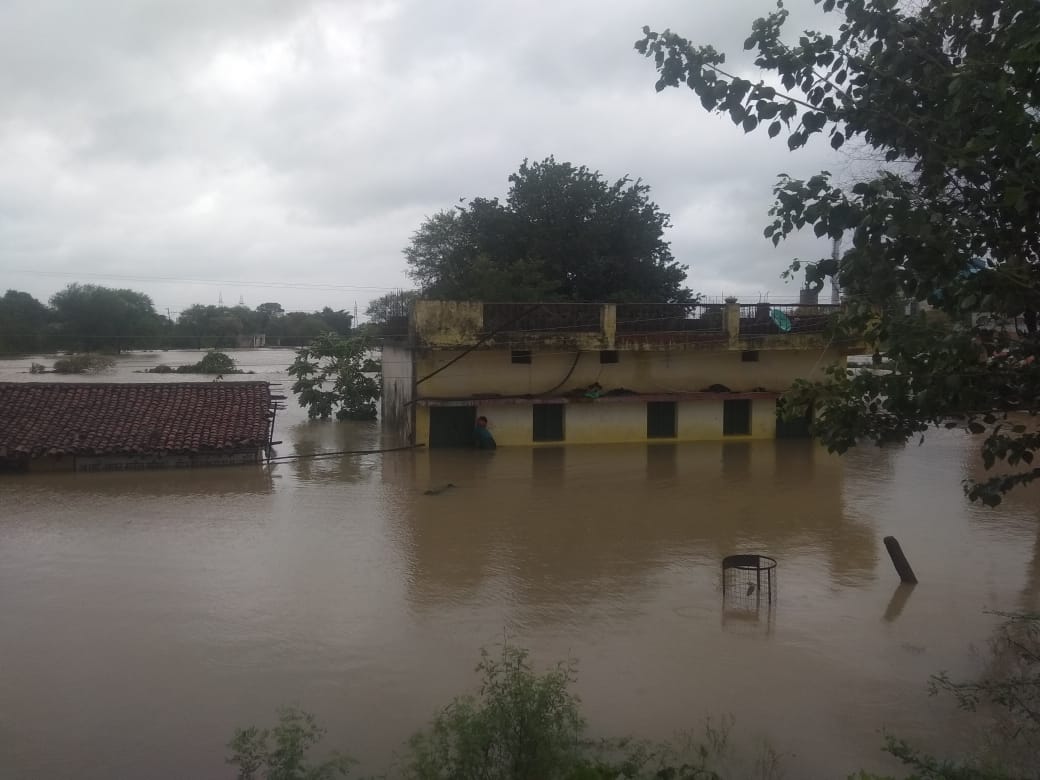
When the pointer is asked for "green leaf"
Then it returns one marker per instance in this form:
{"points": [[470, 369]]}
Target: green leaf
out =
{"points": [[837, 140], [774, 129]]}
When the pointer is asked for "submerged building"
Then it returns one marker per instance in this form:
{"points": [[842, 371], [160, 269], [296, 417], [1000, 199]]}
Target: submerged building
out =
{"points": [[591, 373], [102, 426]]}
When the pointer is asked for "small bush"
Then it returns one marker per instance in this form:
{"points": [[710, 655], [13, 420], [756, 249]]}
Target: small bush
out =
{"points": [[83, 364], [211, 363], [281, 752], [524, 726], [162, 368], [37, 368]]}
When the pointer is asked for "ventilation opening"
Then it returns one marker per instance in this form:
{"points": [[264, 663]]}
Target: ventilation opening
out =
{"points": [[547, 422], [608, 356], [520, 356], [736, 418], [660, 419], [749, 356]]}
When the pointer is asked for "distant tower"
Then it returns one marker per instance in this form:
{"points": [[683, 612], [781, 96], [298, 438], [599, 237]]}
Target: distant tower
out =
{"points": [[241, 301], [220, 299]]}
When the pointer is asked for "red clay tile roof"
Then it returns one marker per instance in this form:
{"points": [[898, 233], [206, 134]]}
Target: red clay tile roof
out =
{"points": [[49, 418]]}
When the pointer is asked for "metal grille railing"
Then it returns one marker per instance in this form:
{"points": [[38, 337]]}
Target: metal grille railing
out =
{"points": [[564, 317], [756, 319], [633, 318]]}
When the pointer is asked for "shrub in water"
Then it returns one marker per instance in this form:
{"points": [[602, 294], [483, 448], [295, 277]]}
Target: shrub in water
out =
{"points": [[281, 753], [211, 363], [83, 364]]}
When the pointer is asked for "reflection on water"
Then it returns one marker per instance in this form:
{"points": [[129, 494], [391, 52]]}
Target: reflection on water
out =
{"points": [[607, 519], [129, 487], [148, 614]]}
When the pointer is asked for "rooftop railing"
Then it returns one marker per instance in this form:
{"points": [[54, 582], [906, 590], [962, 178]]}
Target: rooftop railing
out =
{"points": [[446, 323], [757, 319], [564, 317]]}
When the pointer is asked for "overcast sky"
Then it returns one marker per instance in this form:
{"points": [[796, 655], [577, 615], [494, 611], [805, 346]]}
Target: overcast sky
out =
{"points": [[285, 150]]}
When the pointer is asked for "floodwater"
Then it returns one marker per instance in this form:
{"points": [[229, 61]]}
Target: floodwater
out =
{"points": [[143, 616]]}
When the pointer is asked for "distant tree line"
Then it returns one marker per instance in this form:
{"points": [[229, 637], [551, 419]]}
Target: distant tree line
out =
{"points": [[92, 318]]}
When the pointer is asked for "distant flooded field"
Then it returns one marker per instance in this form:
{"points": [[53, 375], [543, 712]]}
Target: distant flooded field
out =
{"points": [[146, 615]]}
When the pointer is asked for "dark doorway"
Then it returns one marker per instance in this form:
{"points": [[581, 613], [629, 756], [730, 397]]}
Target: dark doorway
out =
{"points": [[660, 420], [796, 428], [736, 417], [547, 422], [452, 426]]}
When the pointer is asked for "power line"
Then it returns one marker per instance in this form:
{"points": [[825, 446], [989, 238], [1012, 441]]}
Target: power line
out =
{"points": [[192, 280]]}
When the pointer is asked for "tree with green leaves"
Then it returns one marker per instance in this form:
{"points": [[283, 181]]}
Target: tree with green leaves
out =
{"points": [[394, 305], [563, 233], [333, 379], [946, 95], [23, 323], [93, 317]]}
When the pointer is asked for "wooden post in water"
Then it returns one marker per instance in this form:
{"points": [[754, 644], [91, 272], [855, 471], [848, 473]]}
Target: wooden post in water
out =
{"points": [[895, 552]]}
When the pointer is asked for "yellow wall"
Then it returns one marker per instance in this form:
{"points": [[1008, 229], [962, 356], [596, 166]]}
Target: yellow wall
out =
{"points": [[606, 422], [589, 423], [483, 372]]}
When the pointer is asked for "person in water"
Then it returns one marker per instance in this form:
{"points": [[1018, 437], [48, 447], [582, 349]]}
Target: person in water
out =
{"points": [[482, 437]]}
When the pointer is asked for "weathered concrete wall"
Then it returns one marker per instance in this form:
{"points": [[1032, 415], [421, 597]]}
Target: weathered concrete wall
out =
{"points": [[397, 413], [447, 323], [483, 372]]}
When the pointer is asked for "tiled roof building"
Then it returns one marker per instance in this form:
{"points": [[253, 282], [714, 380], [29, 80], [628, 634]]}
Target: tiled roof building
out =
{"points": [[101, 426]]}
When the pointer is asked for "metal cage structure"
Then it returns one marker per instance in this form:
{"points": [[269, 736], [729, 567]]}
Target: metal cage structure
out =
{"points": [[748, 580]]}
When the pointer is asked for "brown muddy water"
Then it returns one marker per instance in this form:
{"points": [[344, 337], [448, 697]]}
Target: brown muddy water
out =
{"points": [[144, 616]]}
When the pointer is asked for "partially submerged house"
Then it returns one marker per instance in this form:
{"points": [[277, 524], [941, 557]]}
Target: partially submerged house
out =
{"points": [[99, 426], [576, 372]]}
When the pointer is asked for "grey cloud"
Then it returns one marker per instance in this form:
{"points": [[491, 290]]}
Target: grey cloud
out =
{"points": [[305, 141]]}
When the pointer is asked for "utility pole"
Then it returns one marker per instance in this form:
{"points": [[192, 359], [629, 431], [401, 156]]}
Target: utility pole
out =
{"points": [[835, 284]]}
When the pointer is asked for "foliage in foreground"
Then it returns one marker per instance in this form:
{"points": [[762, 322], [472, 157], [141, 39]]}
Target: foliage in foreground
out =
{"points": [[280, 753], [944, 95], [1007, 700], [521, 725], [332, 379]]}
